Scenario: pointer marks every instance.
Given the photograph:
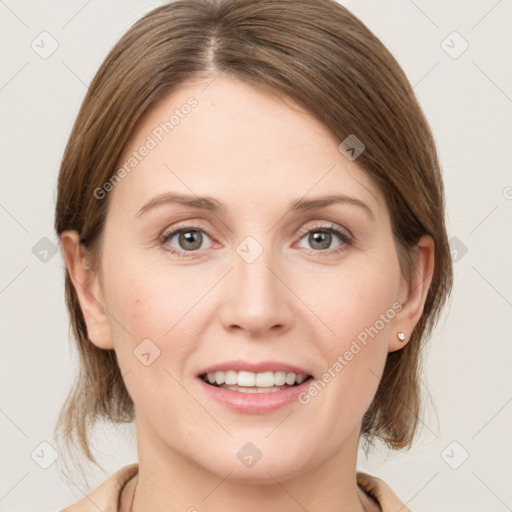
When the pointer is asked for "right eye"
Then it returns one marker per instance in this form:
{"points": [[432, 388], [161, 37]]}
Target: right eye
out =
{"points": [[189, 239]]}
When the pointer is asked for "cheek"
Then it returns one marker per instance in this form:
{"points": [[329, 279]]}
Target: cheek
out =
{"points": [[357, 298], [151, 300], [357, 307], [153, 336], [146, 303]]}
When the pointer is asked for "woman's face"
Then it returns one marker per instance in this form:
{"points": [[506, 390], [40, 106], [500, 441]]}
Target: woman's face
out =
{"points": [[254, 281]]}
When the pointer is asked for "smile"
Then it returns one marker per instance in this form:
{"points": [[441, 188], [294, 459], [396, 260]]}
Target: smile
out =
{"points": [[250, 382]]}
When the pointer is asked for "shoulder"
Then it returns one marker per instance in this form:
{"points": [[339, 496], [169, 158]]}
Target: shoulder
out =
{"points": [[380, 490], [105, 497]]}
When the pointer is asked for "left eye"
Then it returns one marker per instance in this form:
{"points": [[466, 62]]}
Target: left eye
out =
{"points": [[322, 236]]}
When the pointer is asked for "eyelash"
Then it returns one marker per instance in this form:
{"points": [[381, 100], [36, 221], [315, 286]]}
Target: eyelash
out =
{"points": [[346, 239]]}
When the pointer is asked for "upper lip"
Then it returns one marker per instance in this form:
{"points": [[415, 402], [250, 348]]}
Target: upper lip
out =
{"points": [[251, 366]]}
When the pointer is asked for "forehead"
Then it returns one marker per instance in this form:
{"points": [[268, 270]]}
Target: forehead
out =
{"points": [[227, 139]]}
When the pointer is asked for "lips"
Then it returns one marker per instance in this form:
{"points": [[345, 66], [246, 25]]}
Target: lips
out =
{"points": [[253, 399], [250, 377]]}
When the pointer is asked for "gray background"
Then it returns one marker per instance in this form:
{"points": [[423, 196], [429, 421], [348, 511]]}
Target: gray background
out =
{"points": [[467, 98]]}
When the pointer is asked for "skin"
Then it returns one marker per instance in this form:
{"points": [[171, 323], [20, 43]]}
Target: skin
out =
{"points": [[299, 301]]}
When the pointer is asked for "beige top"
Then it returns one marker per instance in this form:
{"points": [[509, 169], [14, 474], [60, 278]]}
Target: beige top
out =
{"points": [[107, 496]]}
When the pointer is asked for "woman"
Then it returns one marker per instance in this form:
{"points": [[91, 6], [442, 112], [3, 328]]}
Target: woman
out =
{"points": [[251, 214]]}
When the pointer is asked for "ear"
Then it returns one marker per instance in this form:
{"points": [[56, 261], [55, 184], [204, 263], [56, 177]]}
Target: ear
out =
{"points": [[87, 287], [412, 296]]}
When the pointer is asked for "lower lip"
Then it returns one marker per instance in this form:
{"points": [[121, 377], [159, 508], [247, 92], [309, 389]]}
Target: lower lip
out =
{"points": [[254, 403]]}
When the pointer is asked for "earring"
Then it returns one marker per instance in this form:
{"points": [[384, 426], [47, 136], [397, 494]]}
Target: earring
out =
{"points": [[401, 336]]}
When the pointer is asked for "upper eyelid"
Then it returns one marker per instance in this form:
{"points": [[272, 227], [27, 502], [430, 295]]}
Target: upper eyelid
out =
{"points": [[330, 226], [191, 225]]}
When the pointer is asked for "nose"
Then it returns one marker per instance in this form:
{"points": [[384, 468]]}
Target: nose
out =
{"points": [[256, 298]]}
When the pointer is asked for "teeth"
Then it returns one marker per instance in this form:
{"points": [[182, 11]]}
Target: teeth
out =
{"points": [[247, 379], [300, 379], [290, 378], [230, 377], [279, 378], [263, 381]]}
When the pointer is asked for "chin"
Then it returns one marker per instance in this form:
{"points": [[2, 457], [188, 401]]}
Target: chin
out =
{"points": [[262, 473], [260, 462]]}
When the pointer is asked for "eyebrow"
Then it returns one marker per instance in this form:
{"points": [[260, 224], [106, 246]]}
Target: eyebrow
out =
{"points": [[211, 204]]}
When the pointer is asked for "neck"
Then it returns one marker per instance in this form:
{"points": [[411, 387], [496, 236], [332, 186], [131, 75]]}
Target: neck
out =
{"points": [[168, 481]]}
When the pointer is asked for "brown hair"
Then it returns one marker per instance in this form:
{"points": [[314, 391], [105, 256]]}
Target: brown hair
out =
{"points": [[320, 55]]}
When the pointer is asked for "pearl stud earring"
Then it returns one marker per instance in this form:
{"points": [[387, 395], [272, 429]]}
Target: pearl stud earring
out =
{"points": [[401, 336]]}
